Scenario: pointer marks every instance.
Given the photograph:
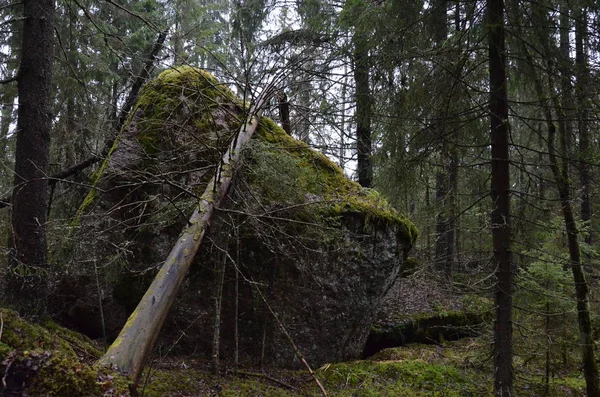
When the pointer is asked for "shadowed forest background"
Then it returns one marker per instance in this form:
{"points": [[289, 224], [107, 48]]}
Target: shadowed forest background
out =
{"points": [[419, 193]]}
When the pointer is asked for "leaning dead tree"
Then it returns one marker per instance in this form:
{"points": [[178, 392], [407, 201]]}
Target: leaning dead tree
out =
{"points": [[133, 345]]}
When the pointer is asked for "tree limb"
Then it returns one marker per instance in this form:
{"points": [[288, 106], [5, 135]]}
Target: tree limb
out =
{"points": [[10, 79]]}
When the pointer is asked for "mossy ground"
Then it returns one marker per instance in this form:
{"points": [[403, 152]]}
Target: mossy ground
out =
{"points": [[47, 360], [459, 368]]}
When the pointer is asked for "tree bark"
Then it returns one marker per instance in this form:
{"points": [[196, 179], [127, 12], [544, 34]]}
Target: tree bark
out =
{"points": [[590, 367], [582, 72], [446, 172], [364, 166], [133, 345], [27, 287], [500, 193], [284, 112], [561, 173], [441, 259]]}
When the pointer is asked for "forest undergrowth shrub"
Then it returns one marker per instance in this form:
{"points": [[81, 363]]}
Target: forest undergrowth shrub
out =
{"points": [[546, 333]]}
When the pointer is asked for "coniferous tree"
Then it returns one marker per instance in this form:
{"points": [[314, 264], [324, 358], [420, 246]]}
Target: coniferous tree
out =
{"points": [[500, 194], [28, 260]]}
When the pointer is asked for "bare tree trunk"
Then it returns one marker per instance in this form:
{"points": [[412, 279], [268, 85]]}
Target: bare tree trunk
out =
{"points": [[445, 175], [500, 193], [364, 166], [581, 89], [561, 173], [133, 345], [236, 302], [441, 220], [284, 112], [590, 367], [220, 281], [455, 220], [27, 287]]}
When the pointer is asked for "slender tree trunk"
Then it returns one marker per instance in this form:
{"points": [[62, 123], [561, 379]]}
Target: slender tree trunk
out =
{"points": [[177, 41], [566, 72], [500, 193], [27, 287], [441, 220], [363, 109], [455, 220], [284, 112], [561, 173], [302, 104], [581, 89], [342, 140], [236, 302], [444, 194], [428, 223], [219, 284], [452, 235], [590, 367]]}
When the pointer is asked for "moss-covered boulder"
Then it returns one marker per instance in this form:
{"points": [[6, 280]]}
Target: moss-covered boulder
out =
{"points": [[297, 245]]}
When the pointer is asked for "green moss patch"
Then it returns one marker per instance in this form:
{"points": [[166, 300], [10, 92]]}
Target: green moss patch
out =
{"points": [[184, 90], [398, 378], [430, 327], [287, 170], [48, 360]]}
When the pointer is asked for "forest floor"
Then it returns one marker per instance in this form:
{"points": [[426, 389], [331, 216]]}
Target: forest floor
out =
{"points": [[50, 360], [456, 368]]}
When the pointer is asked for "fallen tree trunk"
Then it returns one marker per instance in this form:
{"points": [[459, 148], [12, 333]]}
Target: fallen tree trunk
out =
{"points": [[133, 345]]}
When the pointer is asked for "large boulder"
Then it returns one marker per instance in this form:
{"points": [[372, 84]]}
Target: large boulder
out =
{"points": [[297, 246]]}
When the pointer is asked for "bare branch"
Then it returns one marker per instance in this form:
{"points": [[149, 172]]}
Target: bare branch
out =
{"points": [[10, 79]]}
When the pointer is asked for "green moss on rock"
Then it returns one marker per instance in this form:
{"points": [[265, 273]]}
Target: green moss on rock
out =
{"points": [[309, 173], [183, 89]]}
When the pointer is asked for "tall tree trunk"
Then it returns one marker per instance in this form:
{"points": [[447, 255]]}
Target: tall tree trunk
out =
{"points": [[582, 72], [561, 176], [364, 166], [27, 287], [566, 71], [561, 173], [445, 172], [454, 224], [441, 259], [500, 193], [218, 298]]}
